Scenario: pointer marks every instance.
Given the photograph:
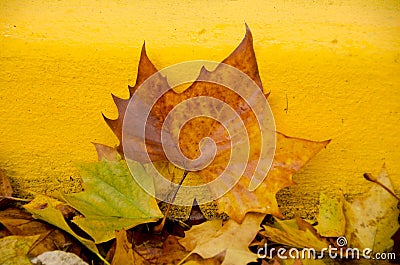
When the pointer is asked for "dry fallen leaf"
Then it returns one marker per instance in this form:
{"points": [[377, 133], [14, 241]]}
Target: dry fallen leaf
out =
{"points": [[124, 254], [153, 250], [5, 189], [331, 220], [14, 249], [173, 253], [46, 209], [295, 233], [200, 233], [372, 220], [369, 222], [112, 200], [291, 153], [231, 240], [290, 156], [106, 152], [20, 223]]}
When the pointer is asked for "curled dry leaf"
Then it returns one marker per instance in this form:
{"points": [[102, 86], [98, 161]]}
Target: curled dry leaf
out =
{"points": [[291, 153], [230, 240], [372, 220]]}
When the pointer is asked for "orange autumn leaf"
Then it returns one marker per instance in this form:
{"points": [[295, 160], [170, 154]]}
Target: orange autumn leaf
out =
{"points": [[290, 154]]}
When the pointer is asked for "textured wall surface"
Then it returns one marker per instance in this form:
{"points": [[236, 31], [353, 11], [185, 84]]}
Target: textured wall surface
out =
{"points": [[332, 68]]}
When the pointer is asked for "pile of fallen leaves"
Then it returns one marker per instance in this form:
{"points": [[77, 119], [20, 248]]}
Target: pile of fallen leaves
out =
{"points": [[108, 223], [114, 221]]}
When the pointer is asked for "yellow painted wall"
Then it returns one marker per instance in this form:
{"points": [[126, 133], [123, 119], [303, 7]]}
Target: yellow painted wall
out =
{"points": [[336, 62]]}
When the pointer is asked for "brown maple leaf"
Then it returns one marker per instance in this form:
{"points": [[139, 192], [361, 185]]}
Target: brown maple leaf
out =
{"points": [[290, 154]]}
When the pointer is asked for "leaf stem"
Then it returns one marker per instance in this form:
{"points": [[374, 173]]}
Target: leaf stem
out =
{"points": [[159, 228], [179, 185], [185, 258], [370, 177], [15, 199]]}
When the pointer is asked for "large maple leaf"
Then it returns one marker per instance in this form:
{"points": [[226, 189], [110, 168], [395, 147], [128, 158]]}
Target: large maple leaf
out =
{"points": [[290, 154]]}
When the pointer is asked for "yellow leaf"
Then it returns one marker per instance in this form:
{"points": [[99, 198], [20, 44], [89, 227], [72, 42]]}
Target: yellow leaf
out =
{"points": [[14, 249], [45, 208], [331, 220], [230, 240], [295, 233], [21, 223], [124, 254], [372, 220]]}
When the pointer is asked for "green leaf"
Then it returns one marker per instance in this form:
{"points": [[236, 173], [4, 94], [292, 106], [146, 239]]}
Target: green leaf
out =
{"points": [[45, 208], [371, 221], [112, 200], [14, 249]]}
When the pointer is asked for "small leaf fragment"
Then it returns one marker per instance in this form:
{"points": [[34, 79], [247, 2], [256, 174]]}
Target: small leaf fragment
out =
{"points": [[196, 216], [124, 254], [5, 189], [106, 152], [14, 249], [331, 220], [200, 234]]}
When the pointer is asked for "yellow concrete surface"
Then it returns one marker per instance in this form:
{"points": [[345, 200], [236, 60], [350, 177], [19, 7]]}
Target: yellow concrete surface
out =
{"points": [[332, 68]]}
